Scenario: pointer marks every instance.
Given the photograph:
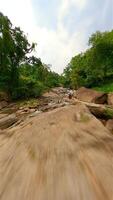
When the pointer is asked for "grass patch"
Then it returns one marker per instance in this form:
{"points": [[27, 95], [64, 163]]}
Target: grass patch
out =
{"points": [[28, 103], [105, 88]]}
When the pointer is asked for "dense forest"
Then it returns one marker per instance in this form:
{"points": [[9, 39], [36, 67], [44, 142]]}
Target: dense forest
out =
{"points": [[21, 75], [94, 67]]}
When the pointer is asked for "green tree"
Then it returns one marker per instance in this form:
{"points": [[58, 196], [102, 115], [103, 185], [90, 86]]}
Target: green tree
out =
{"points": [[102, 45], [14, 48], [94, 67]]}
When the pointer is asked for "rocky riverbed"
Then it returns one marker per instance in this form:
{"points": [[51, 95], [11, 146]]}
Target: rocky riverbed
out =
{"points": [[99, 104]]}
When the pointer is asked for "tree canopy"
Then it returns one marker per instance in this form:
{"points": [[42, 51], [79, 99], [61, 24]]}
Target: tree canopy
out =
{"points": [[94, 67], [21, 75]]}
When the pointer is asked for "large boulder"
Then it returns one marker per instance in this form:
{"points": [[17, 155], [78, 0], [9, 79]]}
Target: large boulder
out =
{"points": [[91, 96], [64, 154], [103, 112]]}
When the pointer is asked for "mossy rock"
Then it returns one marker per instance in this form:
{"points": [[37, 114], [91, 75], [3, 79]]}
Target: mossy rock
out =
{"points": [[108, 113]]}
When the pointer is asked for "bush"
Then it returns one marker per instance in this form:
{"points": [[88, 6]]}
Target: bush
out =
{"points": [[28, 88], [38, 89]]}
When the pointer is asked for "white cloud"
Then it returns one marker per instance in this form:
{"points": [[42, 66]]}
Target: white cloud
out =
{"points": [[20, 12], [81, 4], [59, 46], [67, 4], [55, 47]]}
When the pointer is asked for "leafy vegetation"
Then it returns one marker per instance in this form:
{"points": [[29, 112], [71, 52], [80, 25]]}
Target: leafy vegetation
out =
{"points": [[108, 87], [93, 68], [108, 113], [21, 76]]}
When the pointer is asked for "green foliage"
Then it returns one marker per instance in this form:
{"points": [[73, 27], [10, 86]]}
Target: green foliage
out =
{"points": [[108, 113], [38, 77], [66, 77], [42, 73], [27, 88], [108, 87], [14, 47], [95, 66], [52, 80], [32, 102], [21, 76]]}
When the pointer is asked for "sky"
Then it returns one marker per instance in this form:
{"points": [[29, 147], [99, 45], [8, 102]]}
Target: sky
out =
{"points": [[60, 28]]}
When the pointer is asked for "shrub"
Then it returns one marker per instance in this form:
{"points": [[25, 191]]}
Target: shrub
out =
{"points": [[28, 88]]}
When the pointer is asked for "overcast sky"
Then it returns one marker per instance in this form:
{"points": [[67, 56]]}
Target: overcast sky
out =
{"points": [[60, 27]]}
